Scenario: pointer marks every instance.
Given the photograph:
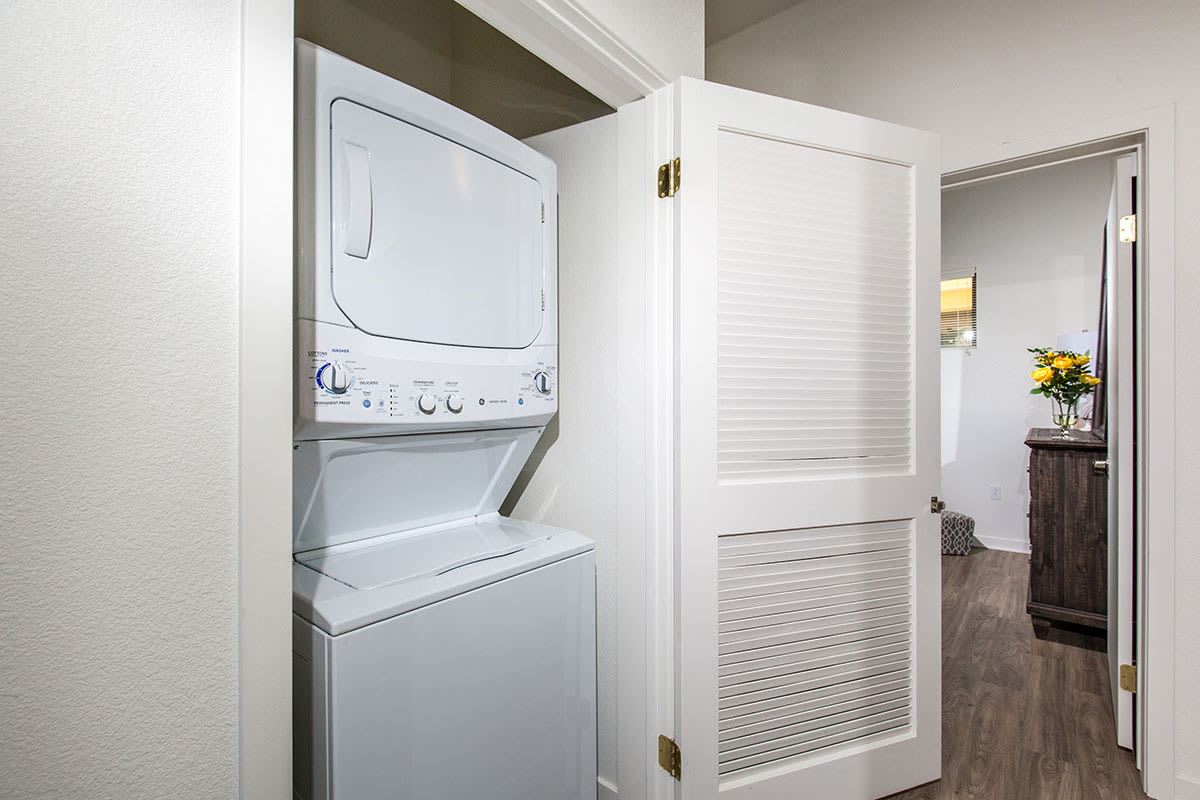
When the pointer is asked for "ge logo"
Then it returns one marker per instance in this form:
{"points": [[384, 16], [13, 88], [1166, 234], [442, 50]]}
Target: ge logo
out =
{"points": [[481, 401]]}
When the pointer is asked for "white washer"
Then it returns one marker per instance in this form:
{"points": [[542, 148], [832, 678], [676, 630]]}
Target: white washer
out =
{"points": [[456, 660], [441, 650]]}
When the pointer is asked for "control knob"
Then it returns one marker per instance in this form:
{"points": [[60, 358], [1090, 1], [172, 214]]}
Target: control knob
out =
{"points": [[334, 377], [426, 404], [454, 404], [541, 382]]}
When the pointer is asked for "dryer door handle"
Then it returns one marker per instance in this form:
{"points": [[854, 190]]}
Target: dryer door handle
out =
{"points": [[356, 205]]}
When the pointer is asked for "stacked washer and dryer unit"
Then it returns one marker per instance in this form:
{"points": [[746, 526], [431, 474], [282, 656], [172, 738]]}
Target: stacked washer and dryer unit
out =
{"points": [[442, 651]]}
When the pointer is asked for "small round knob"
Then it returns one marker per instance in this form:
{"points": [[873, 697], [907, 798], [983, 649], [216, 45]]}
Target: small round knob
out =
{"points": [[454, 404], [334, 377], [426, 404], [541, 383]]}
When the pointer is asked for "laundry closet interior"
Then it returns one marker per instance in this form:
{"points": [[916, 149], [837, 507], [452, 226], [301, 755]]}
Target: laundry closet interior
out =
{"points": [[746, 420]]}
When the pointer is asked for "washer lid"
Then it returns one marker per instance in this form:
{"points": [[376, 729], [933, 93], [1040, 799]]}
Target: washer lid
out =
{"points": [[388, 560], [347, 490], [432, 241], [347, 587]]}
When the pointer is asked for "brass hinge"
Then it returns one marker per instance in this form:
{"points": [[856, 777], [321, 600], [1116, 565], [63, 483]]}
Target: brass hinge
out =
{"points": [[936, 505], [1128, 678], [669, 757], [668, 179], [1129, 228]]}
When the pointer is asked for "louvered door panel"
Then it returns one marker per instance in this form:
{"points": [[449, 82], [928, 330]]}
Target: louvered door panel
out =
{"points": [[815, 289], [805, 450], [814, 640]]}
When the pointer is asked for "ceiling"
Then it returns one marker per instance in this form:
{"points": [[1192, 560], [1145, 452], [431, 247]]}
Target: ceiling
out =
{"points": [[724, 18]]}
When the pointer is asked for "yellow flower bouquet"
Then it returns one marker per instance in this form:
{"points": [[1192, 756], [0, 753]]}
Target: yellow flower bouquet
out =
{"points": [[1063, 377]]}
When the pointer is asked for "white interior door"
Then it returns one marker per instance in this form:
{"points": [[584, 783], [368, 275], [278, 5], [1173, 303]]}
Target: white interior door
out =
{"points": [[1121, 378], [808, 573]]}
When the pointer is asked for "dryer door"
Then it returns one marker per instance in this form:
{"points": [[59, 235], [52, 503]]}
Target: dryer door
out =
{"points": [[432, 241]]}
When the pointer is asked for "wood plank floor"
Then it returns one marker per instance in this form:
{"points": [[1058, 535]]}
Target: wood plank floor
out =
{"points": [[1022, 718]]}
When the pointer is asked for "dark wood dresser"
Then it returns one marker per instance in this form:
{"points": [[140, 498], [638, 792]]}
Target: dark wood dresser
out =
{"points": [[1068, 528]]}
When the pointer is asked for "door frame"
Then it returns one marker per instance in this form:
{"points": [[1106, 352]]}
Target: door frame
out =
{"points": [[561, 32], [1151, 132], [646, 436], [264, 387]]}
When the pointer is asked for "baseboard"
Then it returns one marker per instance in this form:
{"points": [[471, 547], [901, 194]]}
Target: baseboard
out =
{"points": [[1010, 545], [1186, 788], [605, 790]]}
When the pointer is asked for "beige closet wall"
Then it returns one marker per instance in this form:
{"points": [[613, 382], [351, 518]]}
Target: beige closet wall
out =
{"points": [[445, 50]]}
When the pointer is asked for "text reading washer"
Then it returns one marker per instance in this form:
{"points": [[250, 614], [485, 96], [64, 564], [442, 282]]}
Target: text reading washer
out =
{"points": [[442, 651]]}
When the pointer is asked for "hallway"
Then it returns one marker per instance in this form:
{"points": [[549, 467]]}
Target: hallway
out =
{"points": [[1022, 718]]}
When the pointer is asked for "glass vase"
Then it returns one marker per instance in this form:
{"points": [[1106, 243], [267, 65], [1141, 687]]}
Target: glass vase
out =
{"points": [[1064, 413]]}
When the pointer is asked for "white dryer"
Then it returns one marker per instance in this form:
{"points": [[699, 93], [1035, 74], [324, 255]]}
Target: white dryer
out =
{"points": [[441, 650]]}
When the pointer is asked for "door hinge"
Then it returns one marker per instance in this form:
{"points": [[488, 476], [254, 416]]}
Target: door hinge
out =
{"points": [[1129, 228], [1128, 678], [543, 299], [543, 212], [936, 506], [669, 757], [668, 179]]}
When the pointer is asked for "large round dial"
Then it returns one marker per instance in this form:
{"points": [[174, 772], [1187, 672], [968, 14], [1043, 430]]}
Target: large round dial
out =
{"points": [[454, 403], [426, 404], [334, 377], [541, 382]]}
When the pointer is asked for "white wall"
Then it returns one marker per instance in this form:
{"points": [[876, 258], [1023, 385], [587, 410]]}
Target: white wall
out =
{"points": [[982, 73], [667, 33], [118, 246], [571, 479], [1035, 240]]}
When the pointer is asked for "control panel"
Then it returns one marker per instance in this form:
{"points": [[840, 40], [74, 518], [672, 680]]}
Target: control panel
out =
{"points": [[352, 384]]}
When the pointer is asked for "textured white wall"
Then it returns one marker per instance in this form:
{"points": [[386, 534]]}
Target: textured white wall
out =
{"points": [[118, 246], [1035, 240], [980, 73], [571, 479]]}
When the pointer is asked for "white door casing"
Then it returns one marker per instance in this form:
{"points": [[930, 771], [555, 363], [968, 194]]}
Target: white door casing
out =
{"points": [[807, 560], [1121, 452]]}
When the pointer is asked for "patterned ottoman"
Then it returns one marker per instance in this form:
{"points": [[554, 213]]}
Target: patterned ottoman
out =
{"points": [[957, 530]]}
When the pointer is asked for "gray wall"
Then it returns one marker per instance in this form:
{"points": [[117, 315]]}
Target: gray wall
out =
{"points": [[118, 242], [1036, 243]]}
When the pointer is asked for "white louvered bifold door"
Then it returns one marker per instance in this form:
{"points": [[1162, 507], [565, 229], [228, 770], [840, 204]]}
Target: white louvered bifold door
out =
{"points": [[807, 557]]}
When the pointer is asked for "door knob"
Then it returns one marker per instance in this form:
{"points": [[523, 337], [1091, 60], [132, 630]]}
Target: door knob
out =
{"points": [[1101, 467]]}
